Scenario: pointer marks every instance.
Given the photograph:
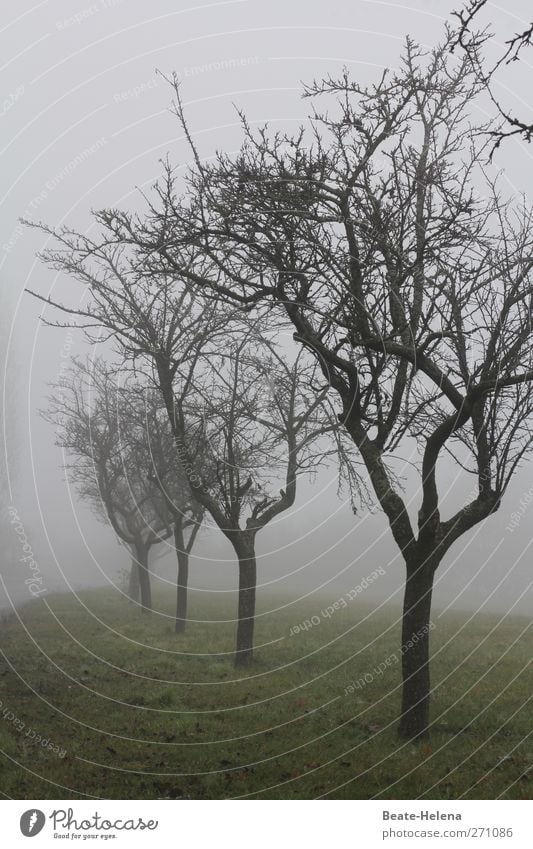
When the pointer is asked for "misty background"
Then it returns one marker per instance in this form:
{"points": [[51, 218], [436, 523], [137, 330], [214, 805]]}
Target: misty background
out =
{"points": [[85, 120]]}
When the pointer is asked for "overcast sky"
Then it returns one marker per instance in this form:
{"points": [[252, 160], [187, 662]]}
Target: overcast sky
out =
{"points": [[85, 120]]}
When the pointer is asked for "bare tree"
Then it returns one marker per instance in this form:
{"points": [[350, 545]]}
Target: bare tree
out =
{"points": [[107, 464], [263, 429], [158, 327], [148, 430], [469, 38], [381, 237], [157, 320]]}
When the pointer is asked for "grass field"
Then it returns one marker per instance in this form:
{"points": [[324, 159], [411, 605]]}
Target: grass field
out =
{"points": [[129, 710]]}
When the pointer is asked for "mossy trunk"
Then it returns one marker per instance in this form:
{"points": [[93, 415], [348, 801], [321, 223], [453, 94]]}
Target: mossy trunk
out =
{"points": [[134, 586], [245, 549], [141, 554], [182, 579], [416, 627]]}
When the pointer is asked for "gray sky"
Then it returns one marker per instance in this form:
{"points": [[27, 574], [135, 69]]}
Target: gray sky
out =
{"points": [[85, 120]]}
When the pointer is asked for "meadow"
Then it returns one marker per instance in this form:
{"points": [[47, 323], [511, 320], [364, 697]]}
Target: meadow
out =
{"points": [[98, 701]]}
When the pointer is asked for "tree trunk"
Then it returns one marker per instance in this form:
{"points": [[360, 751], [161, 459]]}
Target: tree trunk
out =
{"points": [[134, 583], [141, 553], [416, 626], [245, 550], [183, 577]]}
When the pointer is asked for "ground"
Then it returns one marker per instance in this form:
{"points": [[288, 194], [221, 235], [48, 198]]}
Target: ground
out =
{"points": [[98, 701]]}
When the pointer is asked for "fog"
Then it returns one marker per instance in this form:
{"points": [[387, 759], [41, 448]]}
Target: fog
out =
{"points": [[85, 123]]}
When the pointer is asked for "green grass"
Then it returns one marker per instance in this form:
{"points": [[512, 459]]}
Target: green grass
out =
{"points": [[140, 714]]}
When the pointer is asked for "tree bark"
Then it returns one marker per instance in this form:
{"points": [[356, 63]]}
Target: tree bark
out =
{"points": [[183, 577], [416, 626], [245, 549], [141, 554], [134, 583]]}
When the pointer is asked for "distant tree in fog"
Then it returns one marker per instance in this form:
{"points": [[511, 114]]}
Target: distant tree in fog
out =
{"points": [[150, 436], [211, 368], [109, 465]]}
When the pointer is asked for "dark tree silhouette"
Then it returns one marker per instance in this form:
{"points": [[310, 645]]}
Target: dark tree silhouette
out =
{"points": [[148, 430], [469, 38], [162, 326], [263, 431], [412, 290]]}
